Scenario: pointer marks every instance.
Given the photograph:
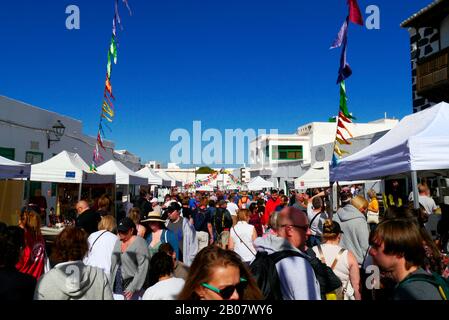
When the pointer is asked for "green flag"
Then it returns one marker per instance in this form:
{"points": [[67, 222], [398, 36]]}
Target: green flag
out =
{"points": [[113, 49], [344, 101]]}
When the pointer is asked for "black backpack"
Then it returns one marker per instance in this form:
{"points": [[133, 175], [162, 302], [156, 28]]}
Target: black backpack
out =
{"points": [[264, 270]]}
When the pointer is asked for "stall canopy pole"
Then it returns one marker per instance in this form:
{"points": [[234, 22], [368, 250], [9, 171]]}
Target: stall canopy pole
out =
{"points": [[79, 192], [415, 189]]}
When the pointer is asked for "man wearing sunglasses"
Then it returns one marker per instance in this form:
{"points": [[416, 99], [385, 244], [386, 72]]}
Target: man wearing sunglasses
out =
{"points": [[296, 275]]}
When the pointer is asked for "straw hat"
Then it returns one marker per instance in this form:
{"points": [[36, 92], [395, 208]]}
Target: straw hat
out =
{"points": [[153, 217]]}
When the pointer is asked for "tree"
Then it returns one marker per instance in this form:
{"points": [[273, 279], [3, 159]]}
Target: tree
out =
{"points": [[205, 170]]}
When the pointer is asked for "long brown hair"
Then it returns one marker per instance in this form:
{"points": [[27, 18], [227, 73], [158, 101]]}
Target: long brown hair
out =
{"points": [[70, 245], [203, 266], [31, 222]]}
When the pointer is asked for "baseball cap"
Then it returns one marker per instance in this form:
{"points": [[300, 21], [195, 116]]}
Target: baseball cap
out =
{"points": [[125, 225], [174, 206], [154, 200]]}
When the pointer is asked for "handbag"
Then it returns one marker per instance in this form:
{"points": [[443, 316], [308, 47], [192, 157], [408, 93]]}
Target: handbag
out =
{"points": [[372, 217]]}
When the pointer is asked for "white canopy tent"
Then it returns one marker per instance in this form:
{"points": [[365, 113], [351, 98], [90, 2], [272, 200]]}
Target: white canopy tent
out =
{"points": [[67, 167], [259, 183], [152, 179], [10, 169], [418, 142], [123, 175], [318, 177], [174, 183], [166, 182]]}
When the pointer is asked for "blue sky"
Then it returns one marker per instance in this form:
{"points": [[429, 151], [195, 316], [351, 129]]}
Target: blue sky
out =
{"points": [[257, 64]]}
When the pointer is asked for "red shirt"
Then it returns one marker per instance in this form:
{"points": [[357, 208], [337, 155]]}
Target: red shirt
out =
{"points": [[270, 207], [32, 261]]}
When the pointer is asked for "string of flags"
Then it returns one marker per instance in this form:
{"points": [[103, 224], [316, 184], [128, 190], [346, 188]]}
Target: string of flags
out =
{"points": [[343, 134], [107, 113], [211, 178]]}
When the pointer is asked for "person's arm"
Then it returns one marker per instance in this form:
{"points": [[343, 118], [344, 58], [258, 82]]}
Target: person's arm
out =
{"points": [[142, 231], [107, 292], [231, 243], [171, 237], [254, 235], [354, 275], [143, 263], [211, 232]]}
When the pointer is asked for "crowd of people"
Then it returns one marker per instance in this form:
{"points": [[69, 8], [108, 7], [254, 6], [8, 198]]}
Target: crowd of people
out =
{"points": [[234, 246]]}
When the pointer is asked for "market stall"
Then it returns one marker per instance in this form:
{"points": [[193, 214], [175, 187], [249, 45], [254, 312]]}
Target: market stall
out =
{"points": [[259, 183], [418, 143], [74, 180]]}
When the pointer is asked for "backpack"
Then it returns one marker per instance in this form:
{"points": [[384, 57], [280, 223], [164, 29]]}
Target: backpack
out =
{"points": [[264, 270], [222, 220], [442, 284], [199, 218]]}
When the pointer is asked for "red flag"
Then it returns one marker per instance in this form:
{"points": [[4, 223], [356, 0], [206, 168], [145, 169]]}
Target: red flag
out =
{"points": [[343, 117], [355, 16]]}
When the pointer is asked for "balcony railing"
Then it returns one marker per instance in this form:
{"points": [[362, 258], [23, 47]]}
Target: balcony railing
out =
{"points": [[433, 76]]}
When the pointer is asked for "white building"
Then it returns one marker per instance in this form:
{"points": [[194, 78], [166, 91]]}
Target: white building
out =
{"points": [[282, 158], [153, 164], [27, 135]]}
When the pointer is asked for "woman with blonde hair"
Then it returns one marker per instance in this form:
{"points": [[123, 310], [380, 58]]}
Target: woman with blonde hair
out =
{"points": [[242, 237], [218, 274], [33, 259], [135, 216], [341, 261], [373, 210], [101, 245]]}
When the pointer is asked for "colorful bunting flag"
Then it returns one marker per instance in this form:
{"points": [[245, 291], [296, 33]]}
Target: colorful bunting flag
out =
{"points": [[107, 108], [344, 72], [355, 16]]}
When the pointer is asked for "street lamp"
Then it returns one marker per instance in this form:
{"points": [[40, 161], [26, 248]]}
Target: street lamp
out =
{"points": [[57, 130]]}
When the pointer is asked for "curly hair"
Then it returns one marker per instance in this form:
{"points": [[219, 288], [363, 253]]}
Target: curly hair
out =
{"points": [[70, 245]]}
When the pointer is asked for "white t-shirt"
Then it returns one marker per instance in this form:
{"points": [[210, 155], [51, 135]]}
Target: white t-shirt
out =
{"points": [[164, 290], [100, 254], [246, 248], [427, 202], [317, 226], [232, 208]]}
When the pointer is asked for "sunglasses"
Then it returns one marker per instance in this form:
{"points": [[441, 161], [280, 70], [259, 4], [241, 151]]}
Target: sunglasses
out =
{"points": [[305, 228], [228, 291]]}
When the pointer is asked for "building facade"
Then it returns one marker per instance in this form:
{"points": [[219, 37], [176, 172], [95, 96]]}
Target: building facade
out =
{"points": [[429, 46], [28, 134], [283, 158]]}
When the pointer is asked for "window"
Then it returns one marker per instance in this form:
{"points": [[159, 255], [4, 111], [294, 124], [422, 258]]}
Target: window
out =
{"points": [[267, 151], [287, 153], [8, 153], [34, 157]]}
